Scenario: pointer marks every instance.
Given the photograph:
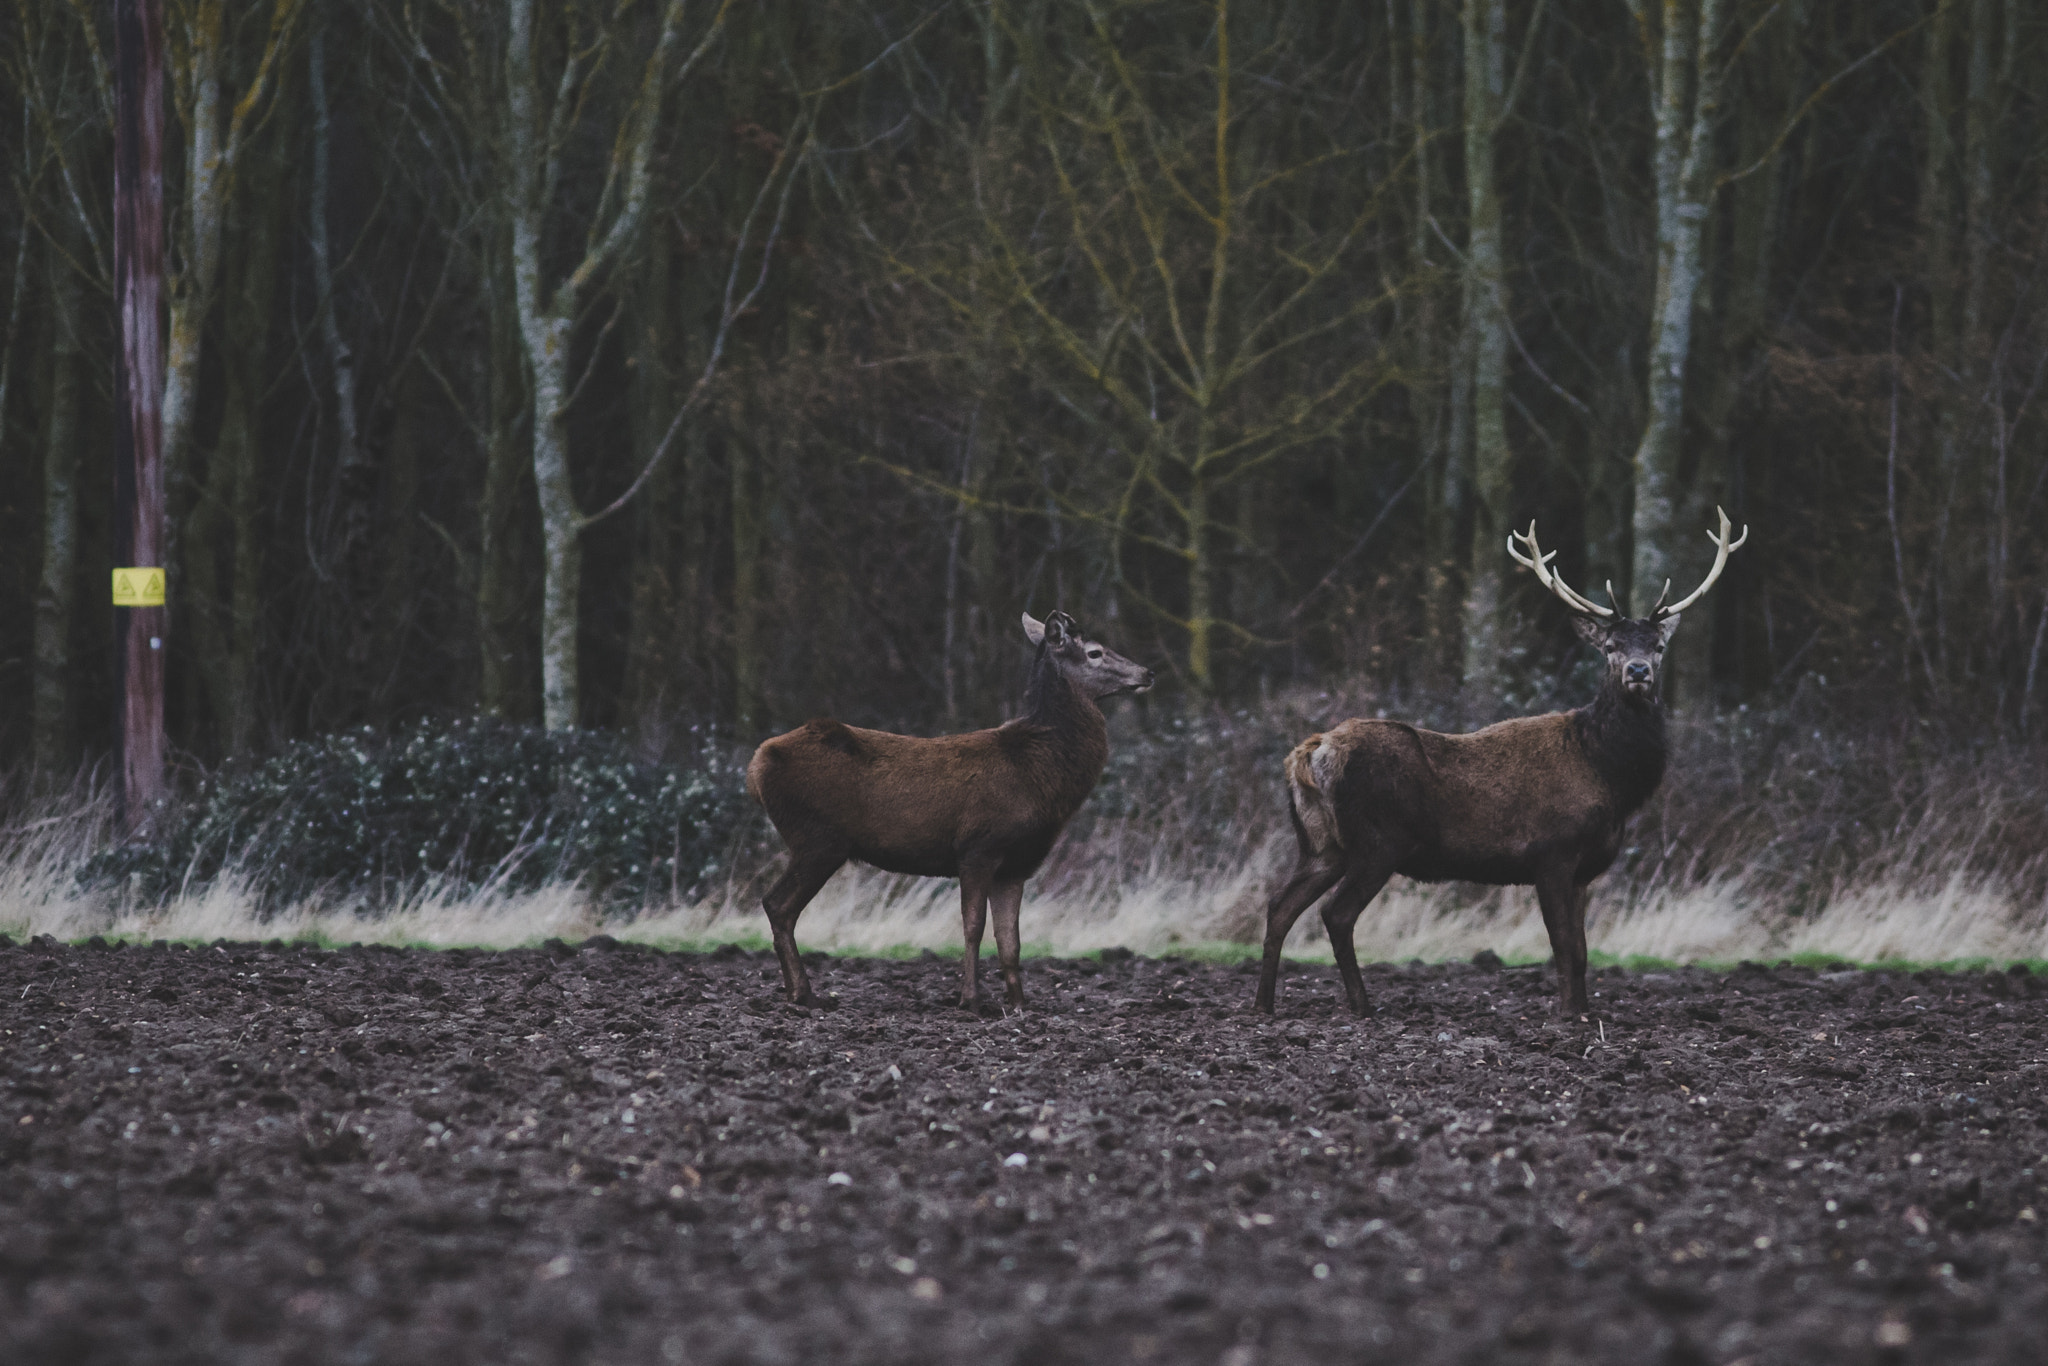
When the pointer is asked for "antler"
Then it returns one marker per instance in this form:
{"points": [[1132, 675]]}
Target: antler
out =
{"points": [[1540, 562], [1722, 546]]}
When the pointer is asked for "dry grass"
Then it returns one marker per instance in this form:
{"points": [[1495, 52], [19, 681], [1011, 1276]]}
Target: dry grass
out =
{"points": [[1774, 836], [867, 912]]}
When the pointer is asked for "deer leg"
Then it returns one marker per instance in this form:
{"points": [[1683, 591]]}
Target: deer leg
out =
{"points": [[1340, 915], [974, 885], [1312, 877], [784, 903], [1564, 918], [1580, 896], [1004, 903]]}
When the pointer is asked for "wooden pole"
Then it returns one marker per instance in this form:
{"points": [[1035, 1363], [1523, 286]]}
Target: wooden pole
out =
{"points": [[139, 569]]}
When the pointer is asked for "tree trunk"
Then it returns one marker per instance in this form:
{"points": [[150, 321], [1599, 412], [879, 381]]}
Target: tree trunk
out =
{"points": [[1741, 320], [50, 724], [223, 616], [657, 614], [17, 296], [223, 528], [1685, 88], [355, 465], [544, 327], [1485, 23], [1437, 440], [191, 289], [504, 682], [399, 604], [245, 605], [547, 361], [141, 522]]}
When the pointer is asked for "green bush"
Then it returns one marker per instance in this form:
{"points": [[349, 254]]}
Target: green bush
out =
{"points": [[453, 805]]}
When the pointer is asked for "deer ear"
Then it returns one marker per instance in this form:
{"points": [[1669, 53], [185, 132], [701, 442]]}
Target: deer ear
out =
{"points": [[1592, 630], [1034, 629], [1059, 628], [1665, 627]]}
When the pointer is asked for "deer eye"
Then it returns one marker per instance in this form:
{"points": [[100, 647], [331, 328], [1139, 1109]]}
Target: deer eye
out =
{"points": [[1095, 654]]}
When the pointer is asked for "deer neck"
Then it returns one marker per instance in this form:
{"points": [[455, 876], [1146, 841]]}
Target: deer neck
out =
{"points": [[1624, 739], [1068, 722]]}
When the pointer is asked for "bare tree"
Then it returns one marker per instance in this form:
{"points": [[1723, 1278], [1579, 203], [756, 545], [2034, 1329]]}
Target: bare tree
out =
{"points": [[1170, 297], [221, 118]]}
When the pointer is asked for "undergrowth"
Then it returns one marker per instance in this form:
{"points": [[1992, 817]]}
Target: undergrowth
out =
{"points": [[1790, 833], [455, 807]]}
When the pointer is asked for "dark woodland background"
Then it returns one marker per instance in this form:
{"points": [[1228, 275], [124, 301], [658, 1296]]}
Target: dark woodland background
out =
{"points": [[1243, 332]]}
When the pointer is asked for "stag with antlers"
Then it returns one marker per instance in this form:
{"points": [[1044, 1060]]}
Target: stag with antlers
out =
{"points": [[1537, 800]]}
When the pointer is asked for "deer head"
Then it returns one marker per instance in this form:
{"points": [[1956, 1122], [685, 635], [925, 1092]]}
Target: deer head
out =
{"points": [[1634, 646], [1094, 668]]}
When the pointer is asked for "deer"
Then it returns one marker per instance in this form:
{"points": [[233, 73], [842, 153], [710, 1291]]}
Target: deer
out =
{"points": [[984, 807], [1534, 800]]}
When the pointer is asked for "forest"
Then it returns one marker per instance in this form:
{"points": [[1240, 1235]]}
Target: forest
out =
{"points": [[564, 396], [684, 369]]}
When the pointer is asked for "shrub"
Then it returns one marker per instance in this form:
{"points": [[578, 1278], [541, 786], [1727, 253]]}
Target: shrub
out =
{"points": [[454, 805]]}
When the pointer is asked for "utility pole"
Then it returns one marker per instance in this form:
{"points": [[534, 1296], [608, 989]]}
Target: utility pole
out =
{"points": [[139, 569]]}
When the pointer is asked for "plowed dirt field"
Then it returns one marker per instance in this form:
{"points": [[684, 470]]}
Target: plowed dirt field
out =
{"points": [[275, 1154]]}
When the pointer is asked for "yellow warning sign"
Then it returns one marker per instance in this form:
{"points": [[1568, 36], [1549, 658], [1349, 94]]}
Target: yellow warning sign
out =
{"points": [[138, 587]]}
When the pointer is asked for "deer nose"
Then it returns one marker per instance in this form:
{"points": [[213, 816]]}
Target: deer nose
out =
{"points": [[1638, 671]]}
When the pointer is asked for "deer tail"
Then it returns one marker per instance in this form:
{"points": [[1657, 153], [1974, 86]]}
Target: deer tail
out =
{"points": [[1312, 770]]}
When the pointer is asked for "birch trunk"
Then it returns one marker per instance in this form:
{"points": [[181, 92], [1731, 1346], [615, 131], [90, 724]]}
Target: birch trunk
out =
{"points": [[1485, 25], [546, 338], [50, 724], [1685, 89], [533, 139], [544, 344], [216, 135], [191, 283]]}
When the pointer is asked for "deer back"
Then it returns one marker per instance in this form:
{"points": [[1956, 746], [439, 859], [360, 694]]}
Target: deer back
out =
{"points": [[1483, 807], [915, 805]]}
